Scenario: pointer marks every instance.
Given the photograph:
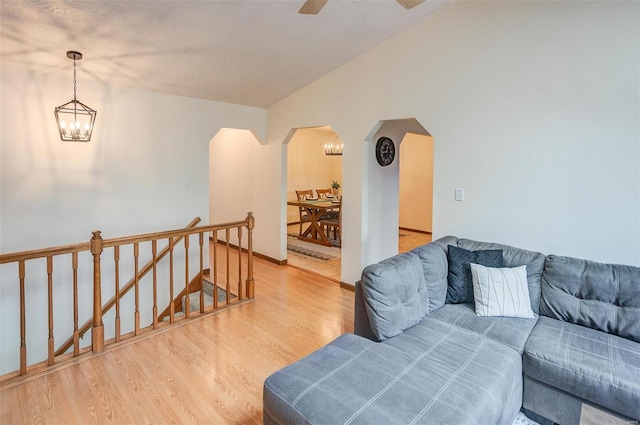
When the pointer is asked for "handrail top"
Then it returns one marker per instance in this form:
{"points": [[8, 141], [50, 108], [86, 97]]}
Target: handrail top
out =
{"points": [[145, 237], [44, 252]]}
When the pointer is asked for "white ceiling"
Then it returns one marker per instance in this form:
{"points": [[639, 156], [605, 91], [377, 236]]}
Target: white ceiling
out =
{"points": [[246, 52]]}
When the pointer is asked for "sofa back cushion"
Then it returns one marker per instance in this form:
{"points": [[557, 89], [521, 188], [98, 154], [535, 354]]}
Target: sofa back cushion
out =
{"points": [[433, 257], [514, 257], [596, 295], [395, 293]]}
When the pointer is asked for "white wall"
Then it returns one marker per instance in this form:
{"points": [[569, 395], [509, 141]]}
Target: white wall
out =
{"points": [[534, 109], [240, 167], [129, 179]]}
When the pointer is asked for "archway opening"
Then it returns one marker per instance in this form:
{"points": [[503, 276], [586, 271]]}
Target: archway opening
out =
{"points": [[313, 166], [415, 191], [381, 189]]}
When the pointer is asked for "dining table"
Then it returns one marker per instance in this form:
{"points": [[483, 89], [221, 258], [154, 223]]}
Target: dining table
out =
{"points": [[316, 208]]}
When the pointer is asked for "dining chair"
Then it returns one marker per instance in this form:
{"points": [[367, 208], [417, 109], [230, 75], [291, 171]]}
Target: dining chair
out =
{"points": [[303, 195], [334, 223], [323, 193]]}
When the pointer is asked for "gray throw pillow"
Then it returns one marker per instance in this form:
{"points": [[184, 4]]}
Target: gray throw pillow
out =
{"points": [[460, 283]]}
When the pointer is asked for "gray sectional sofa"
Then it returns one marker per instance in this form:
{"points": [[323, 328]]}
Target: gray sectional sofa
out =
{"points": [[419, 358]]}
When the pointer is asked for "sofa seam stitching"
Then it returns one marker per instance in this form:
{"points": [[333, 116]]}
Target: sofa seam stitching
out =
{"points": [[586, 337], [406, 369], [448, 383], [333, 372], [581, 350], [559, 365]]}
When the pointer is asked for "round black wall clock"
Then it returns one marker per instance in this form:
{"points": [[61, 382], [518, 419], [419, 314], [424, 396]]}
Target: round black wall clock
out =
{"points": [[385, 151]]}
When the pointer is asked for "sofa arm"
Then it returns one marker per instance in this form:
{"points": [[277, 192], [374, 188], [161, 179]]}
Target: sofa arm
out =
{"points": [[395, 294], [433, 260], [361, 325]]}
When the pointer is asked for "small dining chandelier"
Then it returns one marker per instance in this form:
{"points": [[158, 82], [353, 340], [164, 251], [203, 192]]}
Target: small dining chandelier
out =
{"points": [[74, 118], [333, 148]]}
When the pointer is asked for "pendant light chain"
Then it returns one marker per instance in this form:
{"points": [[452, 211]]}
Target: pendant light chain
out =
{"points": [[74, 80]]}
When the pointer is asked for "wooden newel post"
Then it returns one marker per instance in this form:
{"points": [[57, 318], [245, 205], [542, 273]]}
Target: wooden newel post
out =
{"points": [[250, 283], [97, 332]]}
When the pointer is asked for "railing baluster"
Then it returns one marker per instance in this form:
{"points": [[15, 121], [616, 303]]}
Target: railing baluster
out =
{"points": [[154, 248], [97, 334], [250, 282], [23, 321], [215, 269], [228, 266], [116, 261], [239, 263], [201, 242], [187, 300], [172, 306], [136, 253], [50, 308], [76, 333]]}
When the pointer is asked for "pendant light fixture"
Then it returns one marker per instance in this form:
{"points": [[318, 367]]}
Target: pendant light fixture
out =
{"points": [[74, 118], [333, 148]]}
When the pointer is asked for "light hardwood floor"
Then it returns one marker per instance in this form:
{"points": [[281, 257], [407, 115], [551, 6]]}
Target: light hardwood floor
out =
{"points": [[208, 371], [407, 240]]}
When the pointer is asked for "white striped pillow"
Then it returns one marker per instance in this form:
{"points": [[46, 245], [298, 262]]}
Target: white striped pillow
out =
{"points": [[501, 291]]}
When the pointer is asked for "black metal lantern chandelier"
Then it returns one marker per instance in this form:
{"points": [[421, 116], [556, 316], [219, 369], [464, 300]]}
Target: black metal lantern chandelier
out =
{"points": [[75, 119]]}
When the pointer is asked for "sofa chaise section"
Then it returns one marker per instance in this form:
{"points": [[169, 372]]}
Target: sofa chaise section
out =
{"points": [[430, 367], [428, 375]]}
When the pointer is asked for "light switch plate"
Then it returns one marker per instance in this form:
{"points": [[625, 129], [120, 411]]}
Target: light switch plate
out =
{"points": [[459, 194]]}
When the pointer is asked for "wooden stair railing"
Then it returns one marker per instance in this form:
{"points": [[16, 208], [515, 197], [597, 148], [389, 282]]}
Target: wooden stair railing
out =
{"points": [[175, 306], [196, 285], [49, 253], [122, 292], [95, 247]]}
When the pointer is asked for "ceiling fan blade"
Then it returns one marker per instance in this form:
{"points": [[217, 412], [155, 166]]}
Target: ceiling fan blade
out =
{"points": [[312, 7], [408, 4]]}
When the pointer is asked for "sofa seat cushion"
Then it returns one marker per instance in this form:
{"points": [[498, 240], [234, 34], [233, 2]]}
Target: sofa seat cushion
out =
{"points": [[599, 367], [510, 331], [423, 376]]}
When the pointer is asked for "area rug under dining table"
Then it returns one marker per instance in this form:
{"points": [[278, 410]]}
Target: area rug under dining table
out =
{"points": [[312, 251]]}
